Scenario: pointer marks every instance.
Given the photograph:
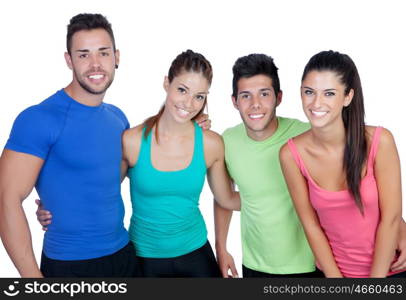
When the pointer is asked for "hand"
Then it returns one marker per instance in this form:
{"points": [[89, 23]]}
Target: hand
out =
{"points": [[203, 121], [43, 216], [226, 262], [400, 263]]}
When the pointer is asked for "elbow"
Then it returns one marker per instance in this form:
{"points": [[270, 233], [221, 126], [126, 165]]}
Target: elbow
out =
{"points": [[227, 204], [391, 222]]}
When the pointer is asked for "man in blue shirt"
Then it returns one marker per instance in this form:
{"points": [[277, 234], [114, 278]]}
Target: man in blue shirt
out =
{"points": [[69, 148]]}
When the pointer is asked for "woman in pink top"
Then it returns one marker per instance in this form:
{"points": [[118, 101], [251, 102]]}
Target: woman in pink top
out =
{"points": [[343, 176]]}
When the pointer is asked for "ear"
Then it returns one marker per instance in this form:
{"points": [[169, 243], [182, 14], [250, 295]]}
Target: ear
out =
{"points": [[234, 100], [348, 98], [68, 60], [279, 98], [166, 83], [117, 58]]}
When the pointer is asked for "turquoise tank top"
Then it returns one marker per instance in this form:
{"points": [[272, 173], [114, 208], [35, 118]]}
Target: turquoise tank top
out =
{"points": [[166, 220]]}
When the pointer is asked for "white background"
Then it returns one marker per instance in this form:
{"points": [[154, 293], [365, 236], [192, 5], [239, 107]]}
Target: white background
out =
{"points": [[150, 34]]}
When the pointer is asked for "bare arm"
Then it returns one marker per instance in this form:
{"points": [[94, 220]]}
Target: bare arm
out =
{"points": [[18, 174], [387, 174], [217, 176], [400, 263], [124, 168], [222, 218], [300, 196]]}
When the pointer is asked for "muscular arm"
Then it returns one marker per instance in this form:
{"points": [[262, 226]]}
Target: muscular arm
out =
{"points": [[300, 196], [18, 174], [387, 174]]}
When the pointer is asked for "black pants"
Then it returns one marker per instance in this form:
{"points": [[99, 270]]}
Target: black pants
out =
{"points": [[247, 272], [398, 275], [122, 263], [198, 263]]}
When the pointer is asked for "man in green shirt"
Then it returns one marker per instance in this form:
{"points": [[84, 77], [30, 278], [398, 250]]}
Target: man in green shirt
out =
{"points": [[273, 240]]}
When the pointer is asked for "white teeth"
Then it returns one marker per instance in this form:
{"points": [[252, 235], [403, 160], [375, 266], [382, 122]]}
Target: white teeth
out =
{"points": [[318, 113], [96, 76], [258, 116], [183, 112]]}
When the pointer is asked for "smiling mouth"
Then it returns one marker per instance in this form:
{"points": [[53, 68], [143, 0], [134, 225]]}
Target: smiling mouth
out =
{"points": [[256, 116], [318, 113], [183, 112], [96, 76]]}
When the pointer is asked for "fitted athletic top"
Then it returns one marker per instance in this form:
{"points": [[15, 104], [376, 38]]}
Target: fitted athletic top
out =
{"points": [[351, 236], [166, 220], [80, 178], [273, 240]]}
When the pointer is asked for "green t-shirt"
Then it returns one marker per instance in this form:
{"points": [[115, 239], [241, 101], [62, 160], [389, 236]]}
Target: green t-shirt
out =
{"points": [[273, 240]]}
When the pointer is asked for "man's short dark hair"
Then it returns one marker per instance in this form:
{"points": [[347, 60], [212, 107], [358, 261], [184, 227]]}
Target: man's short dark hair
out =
{"points": [[88, 22], [255, 64]]}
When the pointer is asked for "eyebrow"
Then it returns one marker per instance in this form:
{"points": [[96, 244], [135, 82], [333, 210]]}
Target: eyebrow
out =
{"points": [[186, 87], [243, 92], [308, 87], [261, 90], [87, 50], [265, 89]]}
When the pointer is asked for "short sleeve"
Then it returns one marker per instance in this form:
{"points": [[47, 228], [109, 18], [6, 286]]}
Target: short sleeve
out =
{"points": [[120, 114], [32, 132]]}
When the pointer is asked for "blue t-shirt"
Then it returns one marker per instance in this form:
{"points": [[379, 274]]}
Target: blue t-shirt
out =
{"points": [[80, 179]]}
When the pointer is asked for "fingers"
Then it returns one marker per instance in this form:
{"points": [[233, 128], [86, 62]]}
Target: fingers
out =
{"points": [[43, 215], [400, 263], [233, 270], [224, 271], [204, 122], [38, 202]]}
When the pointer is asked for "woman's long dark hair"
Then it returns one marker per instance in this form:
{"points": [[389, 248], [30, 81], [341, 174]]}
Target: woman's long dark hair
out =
{"points": [[187, 61], [355, 152]]}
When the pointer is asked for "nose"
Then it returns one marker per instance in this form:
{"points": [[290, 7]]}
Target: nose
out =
{"points": [[189, 101], [318, 99], [95, 61], [256, 103]]}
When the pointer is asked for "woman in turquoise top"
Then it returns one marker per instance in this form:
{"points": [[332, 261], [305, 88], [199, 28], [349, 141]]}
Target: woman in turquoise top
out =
{"points": [[168, 156]]}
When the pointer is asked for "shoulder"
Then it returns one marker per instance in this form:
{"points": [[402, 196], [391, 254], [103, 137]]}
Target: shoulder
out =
{"points": [[300, 141], [234, 134], [132, 144], [41, 115], [285, 153], [386, 138], [293, 126], [235, 130], [133, 134], [213, 147], [117, 111], [212, 139]]}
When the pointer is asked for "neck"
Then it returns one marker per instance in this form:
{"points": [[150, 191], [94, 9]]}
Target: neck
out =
{"points": [[261, 135], [331, 137], [76, 92], [169, 127]]}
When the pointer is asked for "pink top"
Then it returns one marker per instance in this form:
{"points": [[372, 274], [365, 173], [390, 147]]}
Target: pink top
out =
{"points": [[351, 235]]}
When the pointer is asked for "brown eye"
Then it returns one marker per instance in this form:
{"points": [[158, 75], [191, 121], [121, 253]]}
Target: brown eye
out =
{"points": [[181, 90]]}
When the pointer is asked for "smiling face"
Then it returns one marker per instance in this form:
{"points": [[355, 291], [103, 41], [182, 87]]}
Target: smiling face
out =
{"points": [[323, 98], [256, 101], [92, 61], [186, 95]]}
